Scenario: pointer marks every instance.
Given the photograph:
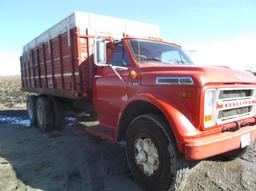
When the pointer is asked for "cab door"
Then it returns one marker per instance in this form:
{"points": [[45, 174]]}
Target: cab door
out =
{"points": [[110, 85]]}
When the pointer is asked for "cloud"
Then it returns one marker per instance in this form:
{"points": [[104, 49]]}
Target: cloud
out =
{"points": [[236, 53], [9, 63]]}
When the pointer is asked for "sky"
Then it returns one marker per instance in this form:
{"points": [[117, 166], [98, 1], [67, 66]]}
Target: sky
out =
{"points": [[219, 32]]}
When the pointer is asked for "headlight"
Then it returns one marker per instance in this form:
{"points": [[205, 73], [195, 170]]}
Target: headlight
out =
{"points": [[210, 107]]}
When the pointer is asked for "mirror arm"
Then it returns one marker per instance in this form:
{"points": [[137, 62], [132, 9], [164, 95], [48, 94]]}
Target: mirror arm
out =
{"points": [[113, 68]]}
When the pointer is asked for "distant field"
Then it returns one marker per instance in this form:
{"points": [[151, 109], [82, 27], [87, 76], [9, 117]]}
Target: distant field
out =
{"points": [[11, 97]]}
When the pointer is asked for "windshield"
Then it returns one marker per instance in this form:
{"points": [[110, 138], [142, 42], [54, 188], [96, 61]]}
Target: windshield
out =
{"points": [[147, 51]]}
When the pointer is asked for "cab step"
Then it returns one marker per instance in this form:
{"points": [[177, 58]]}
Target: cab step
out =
{"points": [[102, 131]]}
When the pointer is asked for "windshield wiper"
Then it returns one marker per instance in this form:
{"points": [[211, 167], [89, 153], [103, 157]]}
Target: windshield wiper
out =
{"points": [[175, 61], [152, 58]]}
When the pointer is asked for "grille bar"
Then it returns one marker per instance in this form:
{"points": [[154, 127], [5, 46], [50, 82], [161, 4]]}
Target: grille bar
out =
{"points": [[234, 112], [234, 94]]}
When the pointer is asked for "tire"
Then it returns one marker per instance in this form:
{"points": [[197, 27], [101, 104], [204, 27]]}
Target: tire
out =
{"points": [[58, 113], [31, 109], [169, 165], [44, 114]]}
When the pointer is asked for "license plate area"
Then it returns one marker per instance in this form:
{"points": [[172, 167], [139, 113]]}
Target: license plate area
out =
{"points": [[245, 140]]}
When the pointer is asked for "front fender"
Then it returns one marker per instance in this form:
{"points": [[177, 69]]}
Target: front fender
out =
{"points": [[181, 127]]}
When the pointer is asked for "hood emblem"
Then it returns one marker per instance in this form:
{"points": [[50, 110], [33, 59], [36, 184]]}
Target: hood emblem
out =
{"points": [[238, 77]]}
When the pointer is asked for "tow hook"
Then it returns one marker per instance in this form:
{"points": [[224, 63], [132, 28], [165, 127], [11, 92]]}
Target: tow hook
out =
{"points": [[238, 125]]}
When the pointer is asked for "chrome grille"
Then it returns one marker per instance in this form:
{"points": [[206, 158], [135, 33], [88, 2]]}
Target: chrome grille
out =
{"points": [[234, 112], [235, 104], [234, 94]]}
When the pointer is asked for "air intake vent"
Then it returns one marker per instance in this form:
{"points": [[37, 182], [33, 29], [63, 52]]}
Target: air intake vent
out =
{"points": [[174, 80]]}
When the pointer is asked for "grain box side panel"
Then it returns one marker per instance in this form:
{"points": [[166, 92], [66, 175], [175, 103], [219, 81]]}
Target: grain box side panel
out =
{"points": [[41, 65], [81, 61], [37, 53], [31, 67], [25, 56], [22, 71], [61, 77], [45, 66], [56, 63], [36, 67], [48, 65], [55, 67], [85, 62], [74, 56], [66, 62], [77, 55]]}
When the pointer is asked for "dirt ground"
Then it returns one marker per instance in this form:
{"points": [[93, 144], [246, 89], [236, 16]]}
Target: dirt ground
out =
{"points": [[10, 94], [74, 160]]}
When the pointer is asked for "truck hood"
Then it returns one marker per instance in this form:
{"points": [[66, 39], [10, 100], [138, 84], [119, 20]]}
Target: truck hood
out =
{"points": [[201, 75]]}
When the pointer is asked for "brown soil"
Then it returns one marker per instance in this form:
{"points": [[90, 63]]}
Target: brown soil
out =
{"points": [[74, 160], [10, 95]]}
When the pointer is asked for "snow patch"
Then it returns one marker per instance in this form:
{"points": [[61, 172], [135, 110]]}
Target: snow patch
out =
{"points": [[15, 121], [71, 121]]}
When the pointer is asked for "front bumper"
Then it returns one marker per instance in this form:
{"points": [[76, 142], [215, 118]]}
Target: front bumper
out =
{"points": [[204, 147]]}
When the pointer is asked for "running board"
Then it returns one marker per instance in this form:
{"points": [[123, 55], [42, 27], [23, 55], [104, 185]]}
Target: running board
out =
{"points": [[99, 130], [103, 132]]}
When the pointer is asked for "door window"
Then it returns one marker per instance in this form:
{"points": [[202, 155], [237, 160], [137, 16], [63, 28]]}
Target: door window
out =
{"points": [[120, 56]]}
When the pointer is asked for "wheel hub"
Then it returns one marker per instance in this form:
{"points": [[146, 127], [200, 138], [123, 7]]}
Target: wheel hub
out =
{"points": [[146, 156]]}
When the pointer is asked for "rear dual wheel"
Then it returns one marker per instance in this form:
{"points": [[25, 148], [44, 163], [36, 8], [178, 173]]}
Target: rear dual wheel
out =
{"points": [[31, 108], [58, 113], [47, 113], [44, 114]]}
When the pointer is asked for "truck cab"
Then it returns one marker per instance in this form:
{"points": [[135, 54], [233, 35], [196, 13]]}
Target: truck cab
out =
{"points": [[205, 110]]}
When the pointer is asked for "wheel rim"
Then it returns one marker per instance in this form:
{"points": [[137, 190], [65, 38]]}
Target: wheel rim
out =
{"points": [[30, 109], [40, 114], [146, 156]]}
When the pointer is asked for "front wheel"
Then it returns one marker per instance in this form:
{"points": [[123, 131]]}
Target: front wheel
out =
{"points": [[152, 155]]}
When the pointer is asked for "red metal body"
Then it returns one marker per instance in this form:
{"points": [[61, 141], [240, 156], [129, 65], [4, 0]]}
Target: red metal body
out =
{"points": [[57, 67], [66, 70]]}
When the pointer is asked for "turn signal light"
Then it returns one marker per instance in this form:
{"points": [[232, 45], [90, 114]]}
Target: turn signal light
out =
{"points": [[208, 118], [133, 75], [184, 94], [84, 94]]}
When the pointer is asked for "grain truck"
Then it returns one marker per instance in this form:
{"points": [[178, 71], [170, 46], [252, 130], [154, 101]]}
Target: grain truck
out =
{"points": [[143, 90]]}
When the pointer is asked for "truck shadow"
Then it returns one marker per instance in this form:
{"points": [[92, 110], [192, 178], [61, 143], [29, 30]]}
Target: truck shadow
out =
{"points": [[67, 160], [13, 113]]}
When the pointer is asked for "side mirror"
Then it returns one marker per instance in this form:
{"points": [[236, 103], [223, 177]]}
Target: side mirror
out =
{"points": [[100, 52]]}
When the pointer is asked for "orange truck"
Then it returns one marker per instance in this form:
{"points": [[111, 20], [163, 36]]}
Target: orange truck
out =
{"points": [[143, 90]]}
